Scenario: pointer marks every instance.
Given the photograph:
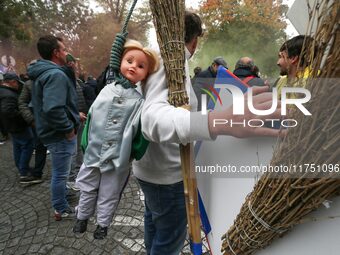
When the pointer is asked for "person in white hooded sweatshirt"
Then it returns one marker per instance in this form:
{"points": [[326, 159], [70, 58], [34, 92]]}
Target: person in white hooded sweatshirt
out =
{"points": [[159, 171]]}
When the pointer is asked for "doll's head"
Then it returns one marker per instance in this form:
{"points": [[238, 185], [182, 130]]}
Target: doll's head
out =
{"points": [[138, 62]]}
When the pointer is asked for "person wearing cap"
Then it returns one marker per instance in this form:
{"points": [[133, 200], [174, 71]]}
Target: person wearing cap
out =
{"points": [[40, 150], [207, 77], [56, 116], [246, 70], [3, 131], [211, 71], [22, 137]]}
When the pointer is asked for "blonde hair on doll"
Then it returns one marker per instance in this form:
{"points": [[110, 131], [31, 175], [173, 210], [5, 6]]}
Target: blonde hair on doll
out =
{"points": [[150, 54]]}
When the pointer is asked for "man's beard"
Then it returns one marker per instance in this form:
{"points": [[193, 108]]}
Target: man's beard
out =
{"points": [[283, 72]]}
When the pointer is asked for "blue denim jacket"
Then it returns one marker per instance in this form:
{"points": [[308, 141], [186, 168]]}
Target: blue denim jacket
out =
{"points": [[114, 123]]}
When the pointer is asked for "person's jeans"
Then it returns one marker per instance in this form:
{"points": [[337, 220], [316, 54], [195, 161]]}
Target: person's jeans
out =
{"points": [[40, 157], [22, 150], [3, 132], [61, 154], [77, 158], [165, 220]]}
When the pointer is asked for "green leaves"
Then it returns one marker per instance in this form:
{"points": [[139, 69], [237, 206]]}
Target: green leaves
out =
{"points": [[87, 35], [235, 29]]}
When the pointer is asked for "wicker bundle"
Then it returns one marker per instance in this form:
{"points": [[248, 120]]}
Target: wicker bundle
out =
{"points": [[169, 23], [277, 203]]}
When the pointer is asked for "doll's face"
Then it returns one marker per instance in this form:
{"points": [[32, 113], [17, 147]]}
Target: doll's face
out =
{"points": [[135, 65]]}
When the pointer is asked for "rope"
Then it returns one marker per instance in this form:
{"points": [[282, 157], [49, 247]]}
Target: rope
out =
{"points": [[263, 223], [117, 52], [230, 247]]}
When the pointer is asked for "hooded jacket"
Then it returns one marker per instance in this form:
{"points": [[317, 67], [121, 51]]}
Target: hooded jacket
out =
{"points": [[243, 73], [54, 101], [9, 112]]}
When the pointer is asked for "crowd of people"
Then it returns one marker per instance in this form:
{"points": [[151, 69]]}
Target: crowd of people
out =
{"points": [[97, 133]]}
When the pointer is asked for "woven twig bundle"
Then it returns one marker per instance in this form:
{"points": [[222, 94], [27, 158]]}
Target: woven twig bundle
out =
{"points": [[277, 203], [169, 23]]}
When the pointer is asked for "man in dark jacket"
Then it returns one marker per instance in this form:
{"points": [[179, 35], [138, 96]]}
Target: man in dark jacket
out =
{"points": [[206, 78], [12, 120], [56, 115], [26, 110], [246, 70], [90, 87]]}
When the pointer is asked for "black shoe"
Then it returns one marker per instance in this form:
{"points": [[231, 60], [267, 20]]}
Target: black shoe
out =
{"points": [[100, 232], [30, 180], [80, 226]]}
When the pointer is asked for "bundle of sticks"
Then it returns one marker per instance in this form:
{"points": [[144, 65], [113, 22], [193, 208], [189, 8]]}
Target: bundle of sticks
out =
{"points": [[280, 201], [168, 18]]}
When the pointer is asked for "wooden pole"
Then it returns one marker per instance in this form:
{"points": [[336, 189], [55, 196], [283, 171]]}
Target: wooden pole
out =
{"points": [[191, 198]]}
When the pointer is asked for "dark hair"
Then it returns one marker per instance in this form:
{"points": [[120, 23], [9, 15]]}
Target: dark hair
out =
{"points": [[293, 47], [47, 44], [193, 26], [256, 71], [197, 70]]}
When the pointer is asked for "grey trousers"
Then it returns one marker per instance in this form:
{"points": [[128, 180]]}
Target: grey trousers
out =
{"points": [[101, 190]]}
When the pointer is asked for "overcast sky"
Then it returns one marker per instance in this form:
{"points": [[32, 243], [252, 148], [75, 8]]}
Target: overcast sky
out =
{"points": [[194, 4]]}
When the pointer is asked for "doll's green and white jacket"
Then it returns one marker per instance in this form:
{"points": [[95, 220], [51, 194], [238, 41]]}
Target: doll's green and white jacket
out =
{"points": [[112, 136]]}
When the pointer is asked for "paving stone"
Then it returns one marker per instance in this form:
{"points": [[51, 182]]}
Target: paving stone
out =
{"points": [[41, 230], [17, 233], [128, 243], [3, 245], [10, 250], [68, 242], [38, 238], [4, 237], [58, 251], [119, 236], [34, 248], [29, 232], [97, 251], [13, 242], [26, 241], [78, 244], [87, 248], [136, 247], [46, 248], [22, 250], [49, 239]]}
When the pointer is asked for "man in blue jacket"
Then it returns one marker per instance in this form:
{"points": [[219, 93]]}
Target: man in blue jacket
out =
{"points": [[13, 122], [56, 115], [206, 78]]}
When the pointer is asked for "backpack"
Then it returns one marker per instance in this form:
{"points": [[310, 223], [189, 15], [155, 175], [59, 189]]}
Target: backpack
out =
{"points": [[106, 77], [248, 79]]}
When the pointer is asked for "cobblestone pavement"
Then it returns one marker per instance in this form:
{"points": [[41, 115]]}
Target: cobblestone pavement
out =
{"points": [[27, 225]]}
